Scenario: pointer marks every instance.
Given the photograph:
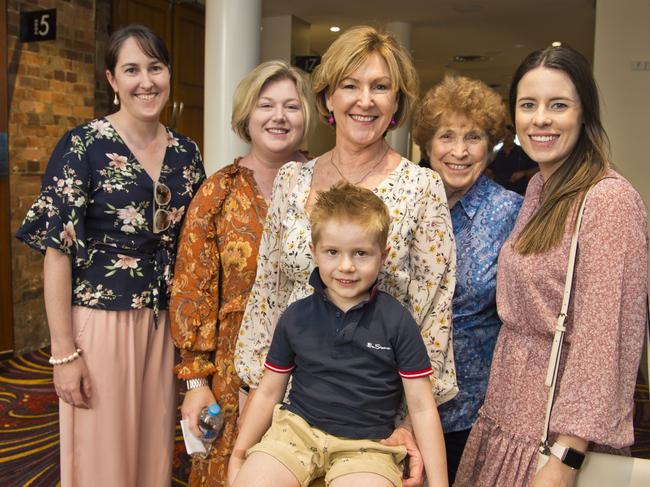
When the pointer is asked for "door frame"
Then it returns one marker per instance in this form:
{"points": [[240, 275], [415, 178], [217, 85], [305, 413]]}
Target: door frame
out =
{"points": [[6, 298]]}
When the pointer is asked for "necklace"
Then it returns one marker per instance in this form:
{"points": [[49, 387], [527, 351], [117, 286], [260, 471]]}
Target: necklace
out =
{"points": [[379, 161]]}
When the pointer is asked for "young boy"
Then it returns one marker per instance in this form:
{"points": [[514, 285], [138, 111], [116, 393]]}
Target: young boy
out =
{"points": [[352, 350]]}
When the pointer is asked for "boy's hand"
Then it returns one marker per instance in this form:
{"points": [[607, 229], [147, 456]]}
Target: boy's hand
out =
{"points": [[403, 437]]}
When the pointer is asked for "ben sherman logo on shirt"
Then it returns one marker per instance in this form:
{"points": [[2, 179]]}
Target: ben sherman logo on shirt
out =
{"points": [[376, 346]]}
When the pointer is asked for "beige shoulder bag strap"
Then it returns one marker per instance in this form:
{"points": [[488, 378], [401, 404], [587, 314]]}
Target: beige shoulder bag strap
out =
{"points": [[560, 327]]}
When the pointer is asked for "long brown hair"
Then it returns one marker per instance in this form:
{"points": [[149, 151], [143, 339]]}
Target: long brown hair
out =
{"points": [[587, 163]]}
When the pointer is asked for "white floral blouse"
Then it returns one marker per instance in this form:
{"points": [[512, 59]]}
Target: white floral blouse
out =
{"points": [[419, 271], [96, 205]]}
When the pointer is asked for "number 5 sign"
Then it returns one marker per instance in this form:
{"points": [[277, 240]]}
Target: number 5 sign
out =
{"points": [[38, 26]]}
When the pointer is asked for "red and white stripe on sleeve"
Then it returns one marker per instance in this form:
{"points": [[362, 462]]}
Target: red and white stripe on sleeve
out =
{"points": [[415, 374], [280, 369]]}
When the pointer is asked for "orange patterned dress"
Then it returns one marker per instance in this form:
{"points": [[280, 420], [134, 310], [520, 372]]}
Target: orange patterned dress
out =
{"points": [[215, 270]]}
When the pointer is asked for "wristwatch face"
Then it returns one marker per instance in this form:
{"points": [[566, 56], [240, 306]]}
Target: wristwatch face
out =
{"points": [[573, 458]]}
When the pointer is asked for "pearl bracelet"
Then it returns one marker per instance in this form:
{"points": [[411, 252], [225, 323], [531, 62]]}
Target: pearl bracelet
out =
{"points": [[65, 360]]}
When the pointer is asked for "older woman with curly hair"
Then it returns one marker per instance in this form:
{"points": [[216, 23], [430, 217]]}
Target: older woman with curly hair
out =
{"points": [[457, 126]]}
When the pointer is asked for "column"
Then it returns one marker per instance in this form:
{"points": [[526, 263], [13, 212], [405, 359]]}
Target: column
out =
{"points": [[399, 138], [232, 48]]}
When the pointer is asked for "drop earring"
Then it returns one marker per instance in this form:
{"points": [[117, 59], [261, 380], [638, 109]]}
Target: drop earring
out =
{"points": [[331, 119], [393, 122], [116, 100]]}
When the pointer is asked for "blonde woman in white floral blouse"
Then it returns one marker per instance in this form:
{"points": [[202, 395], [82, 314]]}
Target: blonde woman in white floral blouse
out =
{"points": [[365, 86]]}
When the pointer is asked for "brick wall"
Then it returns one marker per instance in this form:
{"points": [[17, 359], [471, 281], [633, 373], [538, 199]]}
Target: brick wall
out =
{"points": [[51, 89]]}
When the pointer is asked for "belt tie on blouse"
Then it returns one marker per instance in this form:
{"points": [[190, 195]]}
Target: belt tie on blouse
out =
{"points": [[162, 261], [161, 266]]}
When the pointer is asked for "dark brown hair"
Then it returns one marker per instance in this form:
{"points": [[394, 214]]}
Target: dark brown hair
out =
{"points": [[150, 43], [587, 163]]}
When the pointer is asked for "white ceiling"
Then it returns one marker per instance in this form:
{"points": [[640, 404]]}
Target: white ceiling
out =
{"points": [[503, 30]]}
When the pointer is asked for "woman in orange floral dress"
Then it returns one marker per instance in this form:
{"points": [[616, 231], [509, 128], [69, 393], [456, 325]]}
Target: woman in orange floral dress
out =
{"points": [[216, 262]]}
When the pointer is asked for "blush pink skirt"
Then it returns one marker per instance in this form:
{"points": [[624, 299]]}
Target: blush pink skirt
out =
{"points": [[126, 438]]}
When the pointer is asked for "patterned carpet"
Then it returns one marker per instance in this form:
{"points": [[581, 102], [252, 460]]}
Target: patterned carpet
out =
{"points": [[29, 437], [29, 426]]}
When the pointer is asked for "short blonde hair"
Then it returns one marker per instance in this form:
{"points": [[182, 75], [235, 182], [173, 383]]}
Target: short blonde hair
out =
{"points": [[249, 89], [347, 202], [464, 96], [350, 51]]}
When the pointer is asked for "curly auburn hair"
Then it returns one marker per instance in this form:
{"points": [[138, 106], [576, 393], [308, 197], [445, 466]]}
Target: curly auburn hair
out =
{"points": [[464, 96]]}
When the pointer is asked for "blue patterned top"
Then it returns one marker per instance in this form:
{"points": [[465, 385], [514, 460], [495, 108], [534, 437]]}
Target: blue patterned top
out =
{"points": [[96, 206], [482, 220]]}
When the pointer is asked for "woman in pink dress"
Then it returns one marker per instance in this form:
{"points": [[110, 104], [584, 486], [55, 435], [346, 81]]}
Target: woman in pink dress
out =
{"points": [[554, 103]]}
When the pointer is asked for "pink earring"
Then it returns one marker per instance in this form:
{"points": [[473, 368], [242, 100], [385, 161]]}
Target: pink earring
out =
{"points": [[331, 119], [393, 121]]}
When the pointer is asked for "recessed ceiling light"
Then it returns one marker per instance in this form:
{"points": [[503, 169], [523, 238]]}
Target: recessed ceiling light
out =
{"points": [[334, 29], [556, 44]]}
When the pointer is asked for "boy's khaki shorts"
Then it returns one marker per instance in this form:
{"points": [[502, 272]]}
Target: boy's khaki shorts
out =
{"points": [[310, 453]]}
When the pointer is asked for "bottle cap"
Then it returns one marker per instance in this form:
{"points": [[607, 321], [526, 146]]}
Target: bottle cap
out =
{"points": [[214, 409]]}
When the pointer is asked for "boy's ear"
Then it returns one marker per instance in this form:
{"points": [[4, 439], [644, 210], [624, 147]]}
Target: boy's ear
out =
{"points": [[313, 252]]}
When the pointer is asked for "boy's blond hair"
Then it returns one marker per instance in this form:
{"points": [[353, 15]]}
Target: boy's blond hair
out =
{"points": [[347, 202]]}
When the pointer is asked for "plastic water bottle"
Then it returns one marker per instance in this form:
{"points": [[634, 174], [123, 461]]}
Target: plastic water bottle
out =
{"points": [[210, 424]]}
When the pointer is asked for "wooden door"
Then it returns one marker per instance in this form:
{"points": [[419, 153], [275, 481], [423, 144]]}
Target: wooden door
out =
{"points": [[188, 41], [155, 14], [6, 301]]}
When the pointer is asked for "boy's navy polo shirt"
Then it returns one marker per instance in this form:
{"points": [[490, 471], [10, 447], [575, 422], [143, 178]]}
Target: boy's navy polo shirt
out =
{"points": [[347, 367]]}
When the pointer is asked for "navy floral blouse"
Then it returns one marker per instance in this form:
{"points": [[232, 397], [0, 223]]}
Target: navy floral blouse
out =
{"points": [[96, 205], [482, 220]]}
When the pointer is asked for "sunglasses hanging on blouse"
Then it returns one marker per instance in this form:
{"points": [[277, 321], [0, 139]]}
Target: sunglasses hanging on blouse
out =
{"points": [[162, 195]]}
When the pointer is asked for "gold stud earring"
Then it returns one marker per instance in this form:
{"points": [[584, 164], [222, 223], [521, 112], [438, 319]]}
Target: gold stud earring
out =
{"points": [[116, 100]]}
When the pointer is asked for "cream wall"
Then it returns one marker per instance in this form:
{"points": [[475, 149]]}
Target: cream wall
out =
{"points": [[622, 37], [276, 38]]}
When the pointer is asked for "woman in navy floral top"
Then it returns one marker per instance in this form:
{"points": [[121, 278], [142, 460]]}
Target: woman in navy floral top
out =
{"points": [[457, 126], [108, 218]]}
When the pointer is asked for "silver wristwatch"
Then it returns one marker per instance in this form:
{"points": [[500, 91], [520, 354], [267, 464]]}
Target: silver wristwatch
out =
{"points": [[194, 383]]}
